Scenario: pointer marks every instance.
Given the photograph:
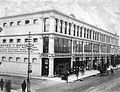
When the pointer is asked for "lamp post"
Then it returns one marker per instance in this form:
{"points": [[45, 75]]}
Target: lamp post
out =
{"points": [[1, 31], [29, 64]]}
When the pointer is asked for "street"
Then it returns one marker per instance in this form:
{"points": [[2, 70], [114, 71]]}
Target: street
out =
{"points": [[107, 83]]}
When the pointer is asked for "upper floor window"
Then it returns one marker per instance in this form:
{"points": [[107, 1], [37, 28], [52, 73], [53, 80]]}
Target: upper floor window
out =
{"points": [[35, 40], [4, 40], [56, 24], [19, 22], [81, 31], [11, 23], [45, 44], [90, 33], [11, 40], [77, 31], [25, 59], [46, 24], [93, 35], [69, 28], [87, 33], [74, 30], [4, 24], [65, 27], [35, 21], [34, 60], [27, 21], [26, 40], [10, 58], [18, 59], [18, 40], [84, 32], [61, 26], [3, 58]]}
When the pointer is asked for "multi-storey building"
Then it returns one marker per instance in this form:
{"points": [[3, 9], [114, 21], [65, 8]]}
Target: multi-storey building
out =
{"points": [[58, 40]]}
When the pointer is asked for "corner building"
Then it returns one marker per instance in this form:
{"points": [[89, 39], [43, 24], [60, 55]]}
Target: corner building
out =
{"points": [[57, 40]]}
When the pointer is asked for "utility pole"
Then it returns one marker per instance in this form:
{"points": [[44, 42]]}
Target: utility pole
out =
{"points": [[29, 63]]}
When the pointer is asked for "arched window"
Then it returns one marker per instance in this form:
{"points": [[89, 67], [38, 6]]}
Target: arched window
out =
{"points": [[11, 23], [19, 23], [34, 60], [4, 24], [18, 40], [27, 21], [18, 59], [35, 21], [10, 58], [35, 40], [25, 59], [4, 41], [11, 41], [3, 58]]}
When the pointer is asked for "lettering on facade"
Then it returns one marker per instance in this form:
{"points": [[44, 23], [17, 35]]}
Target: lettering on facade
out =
{"points": [[17, 48]]}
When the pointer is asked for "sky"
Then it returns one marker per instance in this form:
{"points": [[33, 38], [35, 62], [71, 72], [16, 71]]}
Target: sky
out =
{"points": [[104, 14]]}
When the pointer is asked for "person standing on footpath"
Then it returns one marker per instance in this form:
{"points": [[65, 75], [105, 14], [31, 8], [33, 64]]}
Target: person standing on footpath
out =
{"points": [[1, 84], [8, 86], [23, 86]]}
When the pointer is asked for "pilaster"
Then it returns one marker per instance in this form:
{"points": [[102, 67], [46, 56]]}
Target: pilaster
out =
{"points": [[51, 55], [51, 66], [40, 54], [52, 24]]}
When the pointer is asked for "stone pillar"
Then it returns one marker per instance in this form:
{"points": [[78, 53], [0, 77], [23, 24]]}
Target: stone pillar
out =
{"points": [[41, 22], [92, 58], [72, 54], [72, 29], [40, 66], [51, 55], [83, 46], [51, 66], [83, 32], [52, 24], [72, 59], [40, 54]]}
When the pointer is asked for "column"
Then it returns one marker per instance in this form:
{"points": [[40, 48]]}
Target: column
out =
{"points": [[51, 66], [83, 32], [92, 58], [72, 29], [40, 54], [51, 55], [72, 59], [67, 28], [58, 26], [72, 54], [41, 22], [52, 24], [83, 46], [40, 66]]}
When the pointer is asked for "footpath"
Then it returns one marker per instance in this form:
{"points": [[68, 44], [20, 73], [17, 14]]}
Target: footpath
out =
{"points": [[71, 78]]}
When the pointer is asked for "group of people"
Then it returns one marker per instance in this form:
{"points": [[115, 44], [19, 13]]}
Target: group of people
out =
{"points": [[6, 85]]}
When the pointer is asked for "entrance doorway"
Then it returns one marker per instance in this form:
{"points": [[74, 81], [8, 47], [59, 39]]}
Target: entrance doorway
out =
{"points": [[45, 67]]}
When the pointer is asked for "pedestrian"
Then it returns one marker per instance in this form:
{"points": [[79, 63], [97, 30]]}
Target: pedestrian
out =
{"points": [[8, 86], [1, 84], [82, 71], [111, 70], [23, 86], [77, 73]]}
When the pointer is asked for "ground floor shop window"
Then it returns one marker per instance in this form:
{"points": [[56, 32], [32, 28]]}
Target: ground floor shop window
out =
{"points": [[61, 65]]}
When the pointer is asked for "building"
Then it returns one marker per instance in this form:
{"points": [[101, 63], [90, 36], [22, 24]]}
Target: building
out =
{"points": [[58, 42]]}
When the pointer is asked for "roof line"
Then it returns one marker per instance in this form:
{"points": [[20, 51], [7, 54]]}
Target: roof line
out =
{"points": [[53, 10]]}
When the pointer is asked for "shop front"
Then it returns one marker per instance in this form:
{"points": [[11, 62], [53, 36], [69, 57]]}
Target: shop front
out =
{"points": [[61, 65]]}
